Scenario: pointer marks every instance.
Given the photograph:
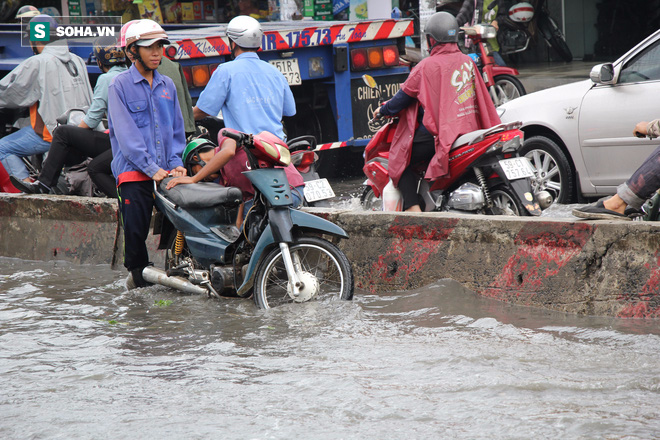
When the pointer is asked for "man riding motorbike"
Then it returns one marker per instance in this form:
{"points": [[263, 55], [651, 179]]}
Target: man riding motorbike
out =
{"points": [[444, 97]]}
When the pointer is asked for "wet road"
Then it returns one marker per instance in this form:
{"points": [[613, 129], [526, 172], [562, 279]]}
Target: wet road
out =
{"points": [[82, 358]]}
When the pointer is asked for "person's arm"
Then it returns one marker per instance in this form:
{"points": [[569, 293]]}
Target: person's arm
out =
{"points": [[650, 129], [21, 86], [99, 105], [400, 101], [213, 96], [199, 114], [289, 101], [174, 161], [214, 165], [466, 13]]}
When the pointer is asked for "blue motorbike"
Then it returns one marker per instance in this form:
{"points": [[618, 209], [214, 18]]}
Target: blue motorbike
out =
{"points": [[279, 255]]}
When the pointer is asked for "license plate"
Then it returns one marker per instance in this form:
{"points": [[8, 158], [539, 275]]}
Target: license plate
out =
{"points": [[318, 190], [517, 168], [290, 70]]}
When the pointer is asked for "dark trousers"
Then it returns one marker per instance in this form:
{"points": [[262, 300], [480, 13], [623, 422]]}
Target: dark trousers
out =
{"points": [[72, 145], [136, 202], [423, 150], [646, 180], [100, 172]]}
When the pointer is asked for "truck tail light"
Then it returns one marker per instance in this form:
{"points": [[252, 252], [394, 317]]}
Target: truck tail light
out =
{"points": [[391, 55], [187, 72], [212, 68], [375, 55], [200, 75], [358, 59]]}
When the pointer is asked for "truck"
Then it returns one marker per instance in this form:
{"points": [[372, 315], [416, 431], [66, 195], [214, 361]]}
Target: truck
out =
{"points": [[323, 62]]}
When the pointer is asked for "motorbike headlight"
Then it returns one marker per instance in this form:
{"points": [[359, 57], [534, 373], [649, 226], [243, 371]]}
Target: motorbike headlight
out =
{"points": [[285, 155], [486, 31]]}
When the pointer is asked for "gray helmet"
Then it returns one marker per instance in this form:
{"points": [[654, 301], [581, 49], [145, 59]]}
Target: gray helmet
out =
{"points": [[442, 27], [245, 31]]}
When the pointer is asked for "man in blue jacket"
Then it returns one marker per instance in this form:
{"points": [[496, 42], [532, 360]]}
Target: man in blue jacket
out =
{"points": [[147, 137]]}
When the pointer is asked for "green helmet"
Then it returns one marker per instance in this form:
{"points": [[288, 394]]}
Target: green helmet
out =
{"points": [[193, 148]]}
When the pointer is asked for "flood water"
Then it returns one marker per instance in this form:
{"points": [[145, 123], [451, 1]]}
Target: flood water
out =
{"points": [[81, 357]]}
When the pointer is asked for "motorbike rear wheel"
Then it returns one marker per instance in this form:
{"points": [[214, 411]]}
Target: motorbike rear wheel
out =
{"points": [[507, 88], [325, 269], [369, 201], [505, 202]]}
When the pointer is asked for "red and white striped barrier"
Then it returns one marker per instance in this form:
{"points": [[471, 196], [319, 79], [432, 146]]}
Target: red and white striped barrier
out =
{"points": [[311, 36]]}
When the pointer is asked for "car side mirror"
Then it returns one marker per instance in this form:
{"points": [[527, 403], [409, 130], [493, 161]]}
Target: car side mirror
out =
{"points": [[603, 74]]}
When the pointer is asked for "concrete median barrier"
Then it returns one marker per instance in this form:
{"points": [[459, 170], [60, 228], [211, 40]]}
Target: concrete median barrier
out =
{"points": [[607, 268], [596, 268]]}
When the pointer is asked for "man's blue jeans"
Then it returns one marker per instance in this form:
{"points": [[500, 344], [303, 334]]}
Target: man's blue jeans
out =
{"points": [[22, 143]]}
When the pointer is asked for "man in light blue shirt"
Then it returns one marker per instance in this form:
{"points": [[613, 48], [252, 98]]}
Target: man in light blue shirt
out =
{"points": [[252, 94]]}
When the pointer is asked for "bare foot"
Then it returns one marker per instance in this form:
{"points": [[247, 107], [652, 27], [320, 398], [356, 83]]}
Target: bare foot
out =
{"points": [[615, 203]]}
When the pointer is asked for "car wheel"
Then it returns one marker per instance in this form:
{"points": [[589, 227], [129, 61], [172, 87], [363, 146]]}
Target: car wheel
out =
{"points": [[551, 167]]}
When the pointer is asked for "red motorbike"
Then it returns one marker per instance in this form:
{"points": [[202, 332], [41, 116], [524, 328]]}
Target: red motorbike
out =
{"points": [[486, 175], [500, 80]]}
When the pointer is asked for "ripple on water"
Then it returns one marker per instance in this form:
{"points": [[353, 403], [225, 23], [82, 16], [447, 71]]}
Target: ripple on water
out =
{"points": [[83, 358]]}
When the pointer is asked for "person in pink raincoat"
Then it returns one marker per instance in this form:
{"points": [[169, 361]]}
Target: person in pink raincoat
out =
{"points": [[443, 98]]}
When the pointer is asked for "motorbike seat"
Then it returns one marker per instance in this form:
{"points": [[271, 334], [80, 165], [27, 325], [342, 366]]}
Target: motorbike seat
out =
{"points": [[467, 139], [201, 195]]}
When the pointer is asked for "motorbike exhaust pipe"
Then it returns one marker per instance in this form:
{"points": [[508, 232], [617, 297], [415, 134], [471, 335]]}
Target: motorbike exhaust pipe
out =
{"points": [[544, 198], [158, 276]]}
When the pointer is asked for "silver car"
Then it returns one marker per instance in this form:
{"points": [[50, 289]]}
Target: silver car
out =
{"points": [[579, 136]]}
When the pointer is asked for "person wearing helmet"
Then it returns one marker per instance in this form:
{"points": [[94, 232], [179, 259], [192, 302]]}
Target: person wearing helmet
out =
{"points": [[484, 11], [74, 144], [444, 96], [195, 156], [48, 83], [253, 97], [27, 11], [175, 72], [147, 138]]}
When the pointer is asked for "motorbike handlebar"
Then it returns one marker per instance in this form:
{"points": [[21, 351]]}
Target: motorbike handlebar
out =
{"points": [[231, 135]]}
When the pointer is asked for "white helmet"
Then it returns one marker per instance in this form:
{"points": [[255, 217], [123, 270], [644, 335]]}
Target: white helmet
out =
{"points": [[245, 31], [145, 33], [521, 12]]}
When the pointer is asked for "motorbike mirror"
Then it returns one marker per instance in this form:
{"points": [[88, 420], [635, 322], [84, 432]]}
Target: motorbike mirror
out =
{"points": [[370, 81], [602, 74]]}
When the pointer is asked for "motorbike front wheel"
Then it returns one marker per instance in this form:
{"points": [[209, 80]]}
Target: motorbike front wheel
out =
{"points": [[508, 88], [556, 37], [324, 271]]}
